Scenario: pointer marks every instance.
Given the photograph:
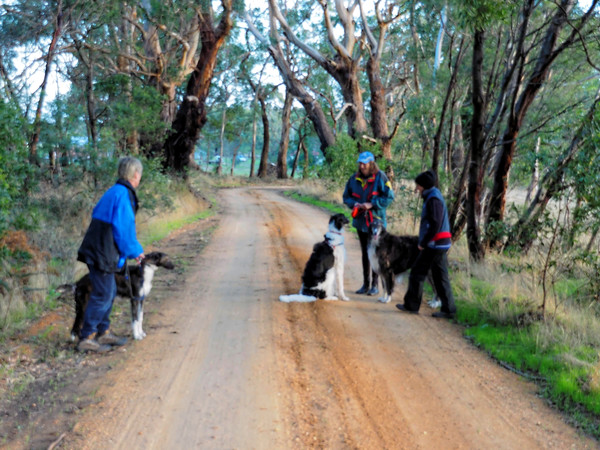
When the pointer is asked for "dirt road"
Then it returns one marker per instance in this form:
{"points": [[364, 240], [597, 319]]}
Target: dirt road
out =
{"points": [[226, 365]]}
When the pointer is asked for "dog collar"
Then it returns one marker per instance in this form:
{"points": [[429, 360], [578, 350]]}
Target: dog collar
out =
{"points": [[334, 238]]}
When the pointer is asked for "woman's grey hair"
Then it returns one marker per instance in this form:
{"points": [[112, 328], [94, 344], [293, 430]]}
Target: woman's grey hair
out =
{"points": [[128, 166]]}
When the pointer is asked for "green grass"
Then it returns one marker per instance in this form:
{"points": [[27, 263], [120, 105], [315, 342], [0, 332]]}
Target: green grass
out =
{"points": [[566, 374], [312, 200], [162, 230]]}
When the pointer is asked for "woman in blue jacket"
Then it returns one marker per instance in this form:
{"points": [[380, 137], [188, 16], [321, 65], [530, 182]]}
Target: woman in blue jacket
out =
{"points": [[368, 193], [109, 241]]}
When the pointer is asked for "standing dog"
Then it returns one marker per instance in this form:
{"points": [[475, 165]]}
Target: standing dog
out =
{"points": [[323, 275], [391, 257], [136, 287]]}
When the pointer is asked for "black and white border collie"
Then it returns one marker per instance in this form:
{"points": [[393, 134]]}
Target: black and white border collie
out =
{"points": [[391, 257], [137, 287], [323, 276]]}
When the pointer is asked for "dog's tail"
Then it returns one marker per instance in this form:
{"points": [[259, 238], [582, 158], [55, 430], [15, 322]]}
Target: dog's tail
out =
{"points": [[297, 298]]}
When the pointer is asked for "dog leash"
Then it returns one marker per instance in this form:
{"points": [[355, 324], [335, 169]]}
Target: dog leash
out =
{"points": [[128, 278]]}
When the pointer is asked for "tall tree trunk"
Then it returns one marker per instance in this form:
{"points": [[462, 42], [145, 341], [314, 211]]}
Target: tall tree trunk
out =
{"points": [[91, 100], [37, 124], [253, 151], [222, 139], [191, 115], [126, 67], [449, 90], [264, 156], [285, 136], [298, 149], [476, 153], [378, 107]]}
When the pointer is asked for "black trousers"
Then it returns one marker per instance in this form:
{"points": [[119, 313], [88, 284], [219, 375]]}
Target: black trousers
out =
{"points": [[437, 261], [370, 278]]}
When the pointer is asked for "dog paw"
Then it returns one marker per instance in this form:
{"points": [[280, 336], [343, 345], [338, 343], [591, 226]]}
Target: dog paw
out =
{"points": [[384, 299], [332, 298], [139, 335], [434, 304], [345, 298]]}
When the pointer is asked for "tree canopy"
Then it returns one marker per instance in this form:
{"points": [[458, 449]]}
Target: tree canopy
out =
{"points": [[482, 91]]}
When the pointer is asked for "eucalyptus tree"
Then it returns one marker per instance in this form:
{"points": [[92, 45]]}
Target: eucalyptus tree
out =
{"points": [[293, 80], [514, 47], [343, 63], [553, 44], [191, 114], [584, 143], [34, 26]]}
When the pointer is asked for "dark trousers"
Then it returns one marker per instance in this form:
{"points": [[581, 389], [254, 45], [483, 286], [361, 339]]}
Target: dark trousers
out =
{"points": [[370, 278], [97, 314], [437, 261]]}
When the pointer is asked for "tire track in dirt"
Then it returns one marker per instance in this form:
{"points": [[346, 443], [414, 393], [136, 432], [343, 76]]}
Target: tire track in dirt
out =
{"points": [[325, 380]]}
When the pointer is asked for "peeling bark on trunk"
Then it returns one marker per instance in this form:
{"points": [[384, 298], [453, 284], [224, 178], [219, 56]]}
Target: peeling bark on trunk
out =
{"points": [[191, 115]]}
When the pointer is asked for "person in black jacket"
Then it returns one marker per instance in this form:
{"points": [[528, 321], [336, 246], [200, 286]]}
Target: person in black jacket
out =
{"points": [[435, 240], [109, 241]]}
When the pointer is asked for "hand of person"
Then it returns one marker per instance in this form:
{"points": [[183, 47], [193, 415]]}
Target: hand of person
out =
{"points": [[138, 260], [419, 247], [367, 205]]}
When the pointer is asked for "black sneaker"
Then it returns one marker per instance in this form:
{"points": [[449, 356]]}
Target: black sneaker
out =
{"points": [[443, 315], [401, 307], [363, 290], [110, 339], [92, 345]]}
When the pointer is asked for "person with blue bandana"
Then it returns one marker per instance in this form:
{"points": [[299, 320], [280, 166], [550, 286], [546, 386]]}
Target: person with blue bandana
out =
{"points": [[368, 193]]}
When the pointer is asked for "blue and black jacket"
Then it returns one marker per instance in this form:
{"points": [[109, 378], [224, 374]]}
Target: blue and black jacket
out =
{"points": [[435, 226], [376, 190], [111, 237]]}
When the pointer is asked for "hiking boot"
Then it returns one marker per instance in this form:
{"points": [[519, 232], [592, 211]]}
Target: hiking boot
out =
{"points": [[401, 307], [110, 339], [92, 345], [443, 315], [363, 290], [373, 291]]}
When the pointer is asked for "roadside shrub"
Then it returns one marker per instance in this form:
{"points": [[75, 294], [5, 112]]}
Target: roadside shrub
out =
{"points": [[16, 174], [342, 157]]}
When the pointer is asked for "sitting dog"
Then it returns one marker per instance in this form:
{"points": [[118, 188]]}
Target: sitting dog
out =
{"points": [[323, 275], [391, 257], [136, 286]]}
